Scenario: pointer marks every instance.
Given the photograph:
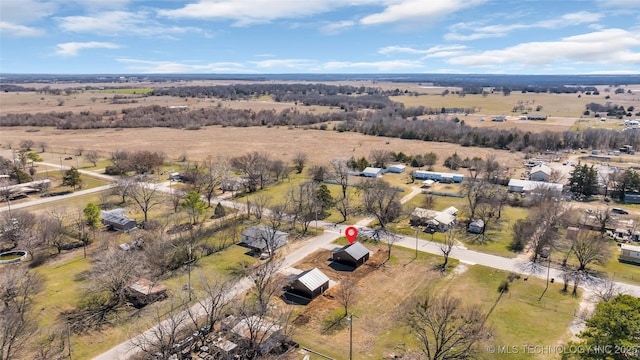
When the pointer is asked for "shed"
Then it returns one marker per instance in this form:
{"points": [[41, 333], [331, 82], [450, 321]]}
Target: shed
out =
{"points": [[354, 255], [476, 226], [632, 198], [263, 239], [310, 283], [540, 172], [372, 172], [258, 327], [144, 292], [115, 219], [629, 254], [397, 168], [572, 233]]}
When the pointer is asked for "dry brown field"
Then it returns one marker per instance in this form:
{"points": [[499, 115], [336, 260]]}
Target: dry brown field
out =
{"points": [[280, 142]]}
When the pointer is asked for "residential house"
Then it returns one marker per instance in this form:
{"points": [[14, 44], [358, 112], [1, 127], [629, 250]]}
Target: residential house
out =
{"points": [[354, 255], [540, 172], [629, 254], [439, 220], [438, 176], [525, 186], [116, 220], [263, 239], [309, 284]]}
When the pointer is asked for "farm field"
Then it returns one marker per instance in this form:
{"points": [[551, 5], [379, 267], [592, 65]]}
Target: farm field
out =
{"points": [[280, 142]]}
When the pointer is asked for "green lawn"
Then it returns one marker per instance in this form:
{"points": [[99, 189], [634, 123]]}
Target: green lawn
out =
{"points": [[498, 235]]}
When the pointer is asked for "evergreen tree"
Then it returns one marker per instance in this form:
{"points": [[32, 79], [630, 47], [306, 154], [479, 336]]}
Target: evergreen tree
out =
{"points": [[71, 178]]}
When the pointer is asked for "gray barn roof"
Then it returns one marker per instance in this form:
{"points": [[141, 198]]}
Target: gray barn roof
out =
{"points": [[115, 216], [356, 250], [313, 279]]}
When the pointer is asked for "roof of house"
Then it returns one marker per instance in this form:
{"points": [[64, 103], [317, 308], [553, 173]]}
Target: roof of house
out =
{"points": [[371, 170], [115, 216], [145, 286], [312, 279], [356, 250], [541, 168], [398, 166], [451, 210], [257, 236], [528, 185], [444, 218], [445, 174], [424, 213], [630, 247]]}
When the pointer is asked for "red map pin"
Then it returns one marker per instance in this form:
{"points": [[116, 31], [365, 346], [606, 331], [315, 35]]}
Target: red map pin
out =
{"points": [[351, 233]]}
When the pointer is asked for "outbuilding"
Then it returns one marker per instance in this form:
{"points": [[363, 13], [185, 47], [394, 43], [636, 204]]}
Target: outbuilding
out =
{"points": [[372, 172], [116, 220], [310, 284], [354, 255], [144, 292], [397, 168], [524, 186]]}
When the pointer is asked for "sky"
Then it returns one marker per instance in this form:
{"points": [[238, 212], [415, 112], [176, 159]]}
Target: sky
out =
{"points": [[320, 36]]}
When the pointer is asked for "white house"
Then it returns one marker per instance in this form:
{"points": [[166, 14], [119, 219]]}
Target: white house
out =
{"points": [[540, 172], [438, 176], [523, 186], [372, 172], [440, 220], [629, 254]]}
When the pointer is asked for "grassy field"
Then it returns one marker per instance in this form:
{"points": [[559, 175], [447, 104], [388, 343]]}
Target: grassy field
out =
{"points": [[380, 332], [133, 91]]}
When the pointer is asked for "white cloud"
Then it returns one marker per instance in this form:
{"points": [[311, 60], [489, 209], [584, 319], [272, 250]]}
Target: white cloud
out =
{"points": [[626, 4], [614, 72], [119, 23], [432, 50], [21, 11], [102, 4], [383, 66], [171, 67], [336, 28], [72, 48], [611, 46], [248, 12], [284, 63], [501, 30], [404, 10], [15, 30]]}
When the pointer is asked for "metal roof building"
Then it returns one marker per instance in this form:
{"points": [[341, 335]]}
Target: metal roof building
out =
{"points": [[354, 255], [116, 219], [310, 283]]}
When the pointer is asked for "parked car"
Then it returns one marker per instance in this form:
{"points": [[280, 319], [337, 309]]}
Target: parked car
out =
{"points": [[619, 211]]}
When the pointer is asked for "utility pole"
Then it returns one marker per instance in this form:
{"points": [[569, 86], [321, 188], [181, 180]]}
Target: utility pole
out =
{"points": [[416, 243], [350, 319], [69, 338]]}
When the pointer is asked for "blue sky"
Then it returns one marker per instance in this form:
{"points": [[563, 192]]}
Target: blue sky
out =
{"points": [[320, 36]]}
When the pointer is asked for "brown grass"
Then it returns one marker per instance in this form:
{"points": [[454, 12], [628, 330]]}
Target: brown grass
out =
{"points": [[320, 146]]}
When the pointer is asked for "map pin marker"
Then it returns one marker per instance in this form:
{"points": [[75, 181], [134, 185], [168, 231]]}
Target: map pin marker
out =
{"points": [[351, 233]]}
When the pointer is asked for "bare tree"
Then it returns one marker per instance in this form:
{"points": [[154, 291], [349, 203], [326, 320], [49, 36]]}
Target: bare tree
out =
{"points": [[214, 297], [255, 167], [53, 228], [346, 293], [606, 290], [43, 146], [17, 326], [590, 248], [446, 329], [299, 161], [123, 188], [145, 195], [446, 247], [340, 173], [165, 334], [381, 200], [603, 218], [112, 272], [380, 157], [546, 219], [260, 203], [305, 205], [92, 156], [266, 282], [51, 342]]}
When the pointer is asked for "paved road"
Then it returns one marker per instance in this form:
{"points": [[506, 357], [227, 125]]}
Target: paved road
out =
{"points": [[55, 198]]}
